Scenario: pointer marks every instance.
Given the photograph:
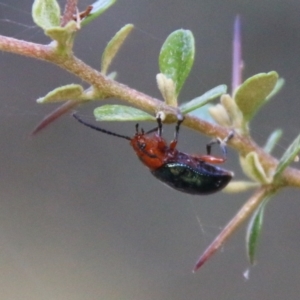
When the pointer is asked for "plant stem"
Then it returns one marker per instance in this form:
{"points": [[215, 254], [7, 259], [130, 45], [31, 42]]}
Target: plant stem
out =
{"points": [[111, 88], [70, 10], [246, 211]]}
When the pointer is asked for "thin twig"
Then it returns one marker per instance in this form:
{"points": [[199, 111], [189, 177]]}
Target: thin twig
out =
{"points": [[66, 107], [237, 61], [70, 10], [245, 212]]}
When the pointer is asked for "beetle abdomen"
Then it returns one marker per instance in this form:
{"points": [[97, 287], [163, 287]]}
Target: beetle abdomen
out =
{"points": [[205, 179]]}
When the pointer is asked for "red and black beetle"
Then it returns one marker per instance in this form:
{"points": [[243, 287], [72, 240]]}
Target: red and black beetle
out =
{"points": [[188, 173]]}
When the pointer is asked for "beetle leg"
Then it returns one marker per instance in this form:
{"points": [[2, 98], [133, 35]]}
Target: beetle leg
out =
{"points": [[159, 123], [222, 144], [175, 140], [210, 159]]}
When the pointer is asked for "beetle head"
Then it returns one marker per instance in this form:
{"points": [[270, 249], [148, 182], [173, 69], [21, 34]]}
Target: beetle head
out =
{"points": [[150, 149]]}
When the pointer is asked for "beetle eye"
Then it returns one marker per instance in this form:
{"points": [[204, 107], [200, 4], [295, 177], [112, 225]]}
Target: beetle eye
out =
{"points": [[142, 146]]}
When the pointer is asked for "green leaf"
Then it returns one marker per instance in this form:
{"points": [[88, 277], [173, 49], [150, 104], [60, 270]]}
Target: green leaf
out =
{"points": [[234, 117], [167, 88], [46, 13], [254, 231], [273, 140], [204, 99], [113, 47], [62, 93], [253, 168], [240, 186], [279, 85], [220, 115], [288, 157], [121, 113], [99, 7], [203, 113], [63, 35], [252, 94], [177, 56]]}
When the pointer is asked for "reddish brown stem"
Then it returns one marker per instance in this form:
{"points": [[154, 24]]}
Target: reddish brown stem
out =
{"points": [[61, 110], [247, 209], [70, 10]]}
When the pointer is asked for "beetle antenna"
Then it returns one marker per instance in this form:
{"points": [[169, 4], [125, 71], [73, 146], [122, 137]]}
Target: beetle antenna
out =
{"points": [[100, 129]]}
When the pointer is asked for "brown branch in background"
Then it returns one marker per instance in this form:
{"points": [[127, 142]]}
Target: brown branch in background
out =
{"points": [[61, 110], [70, 10]]}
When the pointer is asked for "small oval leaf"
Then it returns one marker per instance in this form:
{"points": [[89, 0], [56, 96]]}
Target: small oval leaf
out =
{"points": [[279, 85], [46, 13], [210, 95], [254, 231], [167, 88], [234, 114], [113, 47], [220, 115], [203, 113], [273, 140], [99, 7], [240, 186], [288, 157], [254, 228], [177, 56], [121, 113], [252, 94], [253, 168], [62, 93]]}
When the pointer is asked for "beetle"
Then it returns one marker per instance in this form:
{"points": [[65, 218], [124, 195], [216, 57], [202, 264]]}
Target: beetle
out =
{"points": [[187, 173]]}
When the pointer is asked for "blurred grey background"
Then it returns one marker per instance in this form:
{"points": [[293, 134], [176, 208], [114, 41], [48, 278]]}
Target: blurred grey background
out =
{"points": [[81, 218]]}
